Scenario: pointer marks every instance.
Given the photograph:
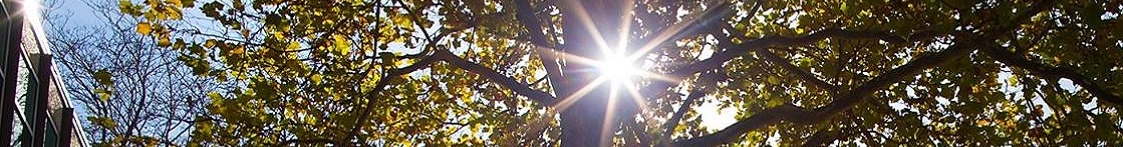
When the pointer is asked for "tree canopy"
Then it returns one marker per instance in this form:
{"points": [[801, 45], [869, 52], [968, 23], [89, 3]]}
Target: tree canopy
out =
{"points": [[527, 72]]}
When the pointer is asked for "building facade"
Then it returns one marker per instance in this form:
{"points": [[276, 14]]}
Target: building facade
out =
{"points": [[36, 109]]}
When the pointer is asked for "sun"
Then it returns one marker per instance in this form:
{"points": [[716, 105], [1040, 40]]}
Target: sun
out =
{"points": [[618, 68]]}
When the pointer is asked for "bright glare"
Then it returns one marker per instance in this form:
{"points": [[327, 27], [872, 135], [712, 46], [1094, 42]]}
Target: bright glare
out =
{"points": [[618, 68], [31, 7]]}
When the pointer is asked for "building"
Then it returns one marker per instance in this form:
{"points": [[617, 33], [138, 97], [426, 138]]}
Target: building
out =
{"points": [[36, 108]]}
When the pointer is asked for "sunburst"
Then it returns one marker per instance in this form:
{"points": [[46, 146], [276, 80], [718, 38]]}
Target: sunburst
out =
{"points": [[620, 66]]}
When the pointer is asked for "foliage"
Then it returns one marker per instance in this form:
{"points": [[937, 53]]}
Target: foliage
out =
{"points": [[940, 72]]}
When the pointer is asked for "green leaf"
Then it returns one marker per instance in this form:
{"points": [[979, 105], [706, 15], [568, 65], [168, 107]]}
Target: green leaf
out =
{"points": [[388, 58], [962, 4], [103, 77], [1091, 14], [188, 3], [772, 79], [103, 94], [214, 95], [127, 7], [103, 122]]}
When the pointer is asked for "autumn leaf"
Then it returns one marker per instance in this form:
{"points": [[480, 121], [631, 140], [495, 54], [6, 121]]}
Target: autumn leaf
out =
{"points": [[144, 28]]}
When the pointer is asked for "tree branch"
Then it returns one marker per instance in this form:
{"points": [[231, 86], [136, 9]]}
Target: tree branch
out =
{"points": [[444, 55], [801, 115], [380, 85], [795, 114], [657, 88], [1015, 60], [519, 87], [307, 141], [708, 80], [526, 17], [689, 27], [802, 74]]}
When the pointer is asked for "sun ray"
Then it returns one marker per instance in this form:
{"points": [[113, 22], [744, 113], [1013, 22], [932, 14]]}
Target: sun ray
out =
{"points": [[636, 96], [609, 114], [587, 21], [657, 76], [619, 66], [666, 34], [625, 30], [31, 11], [569, 100]]}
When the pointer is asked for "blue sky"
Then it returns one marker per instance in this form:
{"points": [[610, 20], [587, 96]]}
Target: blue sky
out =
{"points": [[80, 14]]}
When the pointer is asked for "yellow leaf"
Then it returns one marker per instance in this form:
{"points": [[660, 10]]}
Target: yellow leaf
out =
{"points": [[317, 78], [341, 45], [773, 80], [144, 28], [238, 51], [163, 41], [176, 3], [293, 46], [210, 43], [103, 94]]}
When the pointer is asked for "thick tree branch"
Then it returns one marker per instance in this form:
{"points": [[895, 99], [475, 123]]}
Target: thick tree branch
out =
{"points": [[444, 55], [801, 115], [519, 87], [1015, 60], [689, 27], [658, 88], [795, 114], [543, 47], [707, 84], [672, 122]]}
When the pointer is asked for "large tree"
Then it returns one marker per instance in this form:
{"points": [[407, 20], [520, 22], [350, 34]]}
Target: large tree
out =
{"points": [[546, 72]]}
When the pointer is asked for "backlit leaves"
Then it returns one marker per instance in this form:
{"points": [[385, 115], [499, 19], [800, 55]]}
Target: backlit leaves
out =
{"points": [[144, 28], [329, 70]]}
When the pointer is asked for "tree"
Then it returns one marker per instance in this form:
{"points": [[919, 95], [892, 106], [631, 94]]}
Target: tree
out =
{"points": [[129, 92], [533, 73]]}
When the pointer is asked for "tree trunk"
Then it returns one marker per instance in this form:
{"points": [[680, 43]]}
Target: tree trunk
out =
{"points": [[590, 118]]}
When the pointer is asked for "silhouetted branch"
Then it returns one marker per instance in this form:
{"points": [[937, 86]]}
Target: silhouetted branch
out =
{"points": [[321, 141], [799, 115], [796, 114], [519, 87], [657, 88], [424, 62], [545, 50], [802, 74], [1015, 60], [707, 84]]}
